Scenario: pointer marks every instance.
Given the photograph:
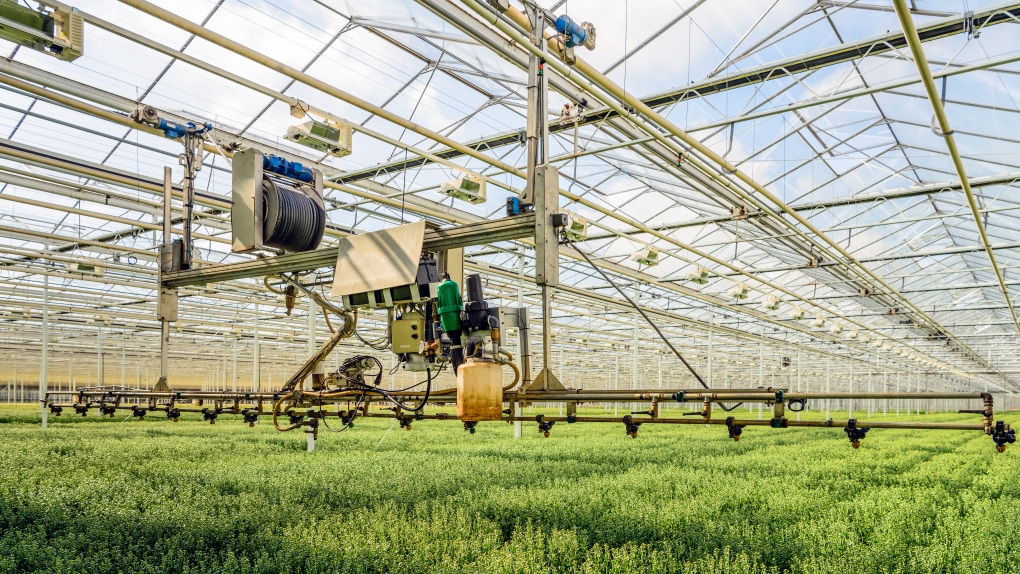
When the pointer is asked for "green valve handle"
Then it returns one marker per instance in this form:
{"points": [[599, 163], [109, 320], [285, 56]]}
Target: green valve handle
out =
{"points": [[449, 304], [679, 397]]}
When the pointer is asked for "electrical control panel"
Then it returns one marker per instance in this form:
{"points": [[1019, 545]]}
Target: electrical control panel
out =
{"points": [[407, 332]]}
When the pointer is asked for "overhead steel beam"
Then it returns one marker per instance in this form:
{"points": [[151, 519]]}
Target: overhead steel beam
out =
{"points": [[705, 160], [899, 193], [941, 28], [466, 235], [879, 258], [913, 191], [71, 169], [880, 8], [662, 150], [913, 39]]}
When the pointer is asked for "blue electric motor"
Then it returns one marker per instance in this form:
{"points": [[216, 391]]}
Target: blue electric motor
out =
{"points": [[577, 34], [291, 169], [174, 130]]}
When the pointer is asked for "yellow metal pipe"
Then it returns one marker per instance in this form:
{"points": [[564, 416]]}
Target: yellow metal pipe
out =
{"points": [[255, 56], [910, 33], [599, 80]]}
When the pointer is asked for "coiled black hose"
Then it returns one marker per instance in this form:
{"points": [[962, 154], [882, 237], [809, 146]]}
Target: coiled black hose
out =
{"points": [[294, 221]]}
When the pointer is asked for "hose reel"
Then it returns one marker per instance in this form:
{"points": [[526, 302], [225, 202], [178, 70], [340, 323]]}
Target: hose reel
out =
{"points": [[277, 204], [292, 218]]}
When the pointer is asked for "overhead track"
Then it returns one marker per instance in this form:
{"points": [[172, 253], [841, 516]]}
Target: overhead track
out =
{"points": [[996, 14], [639, 114], [946, 132]]}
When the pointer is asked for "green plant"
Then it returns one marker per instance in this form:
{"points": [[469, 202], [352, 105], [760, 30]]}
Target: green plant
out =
{"points": [[117, 495]]}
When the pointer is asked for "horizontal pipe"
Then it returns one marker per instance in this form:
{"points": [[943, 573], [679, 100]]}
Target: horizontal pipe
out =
{"points": [[766, 422], [513, 396]]}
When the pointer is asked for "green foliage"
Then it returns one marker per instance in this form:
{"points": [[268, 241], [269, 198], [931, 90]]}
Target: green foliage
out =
{"points": [[119, 495]]}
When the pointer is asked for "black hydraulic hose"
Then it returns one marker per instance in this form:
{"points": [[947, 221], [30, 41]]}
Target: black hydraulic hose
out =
{"points": [[353, 415], [424, 400], [649, 320]]}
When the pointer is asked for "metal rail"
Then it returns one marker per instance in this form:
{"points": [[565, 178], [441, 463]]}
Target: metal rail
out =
{"points": [[504, 229], [912, 34], [306, 409], [880, 44]]}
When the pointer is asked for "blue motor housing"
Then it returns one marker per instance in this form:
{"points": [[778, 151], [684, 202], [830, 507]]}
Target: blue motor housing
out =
{"points": [[577, 34], [174, 130], [291, 169]]}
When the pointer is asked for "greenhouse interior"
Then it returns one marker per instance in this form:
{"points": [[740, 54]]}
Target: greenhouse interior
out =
{"points": [[625, 268]]}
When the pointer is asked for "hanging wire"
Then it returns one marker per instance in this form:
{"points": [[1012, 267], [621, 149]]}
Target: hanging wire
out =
{"points": [[649, 320]]}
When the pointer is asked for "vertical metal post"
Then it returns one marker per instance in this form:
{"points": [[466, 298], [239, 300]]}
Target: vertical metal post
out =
{"points": [[658, 368], [871, 402], [165, 265], [930, 405], [101, 368], [885, 389], [798, 379], [634, 366], [256, 371], [313, 344], [828, 383], [542, 192], [191, 160], [561, 366], [898, 390], [616, 382], [164, 349], [123, 366], [43, 375], [711, 337], [850, 402], [922, 386], [546, 335], [761, 371], [524, 345], [536, 130], [233, 386]]}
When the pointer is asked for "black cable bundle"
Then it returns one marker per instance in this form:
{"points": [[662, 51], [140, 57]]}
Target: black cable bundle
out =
{"points": [[373, 387], [294, 221]]}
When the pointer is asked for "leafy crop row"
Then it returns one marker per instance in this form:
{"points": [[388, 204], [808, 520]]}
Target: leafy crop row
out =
{"points": [[113, 495]]}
